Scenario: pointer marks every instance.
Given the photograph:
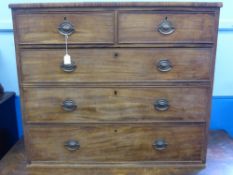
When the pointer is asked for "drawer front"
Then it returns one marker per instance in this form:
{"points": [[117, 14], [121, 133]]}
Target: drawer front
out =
{"points": [[115, 104], [161, 27], [122, 169], [89, 27], [115, 143], [117, 65]]}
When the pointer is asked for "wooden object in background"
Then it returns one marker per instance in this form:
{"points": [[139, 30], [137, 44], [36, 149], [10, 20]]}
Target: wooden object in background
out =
{"points": [[1, 90], [8, 123], [136, 96]]}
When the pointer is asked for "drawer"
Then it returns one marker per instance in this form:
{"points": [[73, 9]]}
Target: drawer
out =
{"points": [[42, 28], [115, 104], [166, 27], [117, 65], [116, 143], [113, 169]]}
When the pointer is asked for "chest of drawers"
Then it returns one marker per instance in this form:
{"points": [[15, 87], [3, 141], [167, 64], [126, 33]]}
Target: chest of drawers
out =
{"points": [[136, 97]]}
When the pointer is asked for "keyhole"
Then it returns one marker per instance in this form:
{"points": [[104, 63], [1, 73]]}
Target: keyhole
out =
{"points": [[166, 18], [115, 55], [115, 130], [115, 92], [65, 18]]}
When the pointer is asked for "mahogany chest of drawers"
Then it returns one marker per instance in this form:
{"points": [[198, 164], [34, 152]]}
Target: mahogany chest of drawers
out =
{"points": [[135, 97]]}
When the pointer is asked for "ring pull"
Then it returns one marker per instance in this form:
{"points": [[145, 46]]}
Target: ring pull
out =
{"points": [[164, 65], [66, 28], [68, 67], [166, 27], [72, 145], [161, 105], [160, 144], [69, 105]]}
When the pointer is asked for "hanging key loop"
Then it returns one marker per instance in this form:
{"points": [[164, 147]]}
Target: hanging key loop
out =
{"points": [[67, 65], [66, 43]]}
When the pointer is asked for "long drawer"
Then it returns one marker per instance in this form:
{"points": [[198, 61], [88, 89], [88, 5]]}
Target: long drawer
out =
{"points": [[116, 143], [166, 27], [117, 65], [115, 104], [42, 28], [112, 169]]}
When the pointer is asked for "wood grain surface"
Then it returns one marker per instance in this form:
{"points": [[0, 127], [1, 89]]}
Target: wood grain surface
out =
{"points": [[219, 161], [116, 143], [116, 4], [116, 47], [118, 65], [142, 27], [115, 104], [90, 27]]}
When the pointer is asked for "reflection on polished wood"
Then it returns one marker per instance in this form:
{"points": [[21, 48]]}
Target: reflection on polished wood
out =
{"points": [[219, 159]]}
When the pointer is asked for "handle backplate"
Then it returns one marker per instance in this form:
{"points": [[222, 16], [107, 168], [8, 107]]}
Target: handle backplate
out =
{"points": [[164, 65], [160, 144], [66, 28], [161, 105], [166, 27], [69, 105], [72, 145], [68, 67]]}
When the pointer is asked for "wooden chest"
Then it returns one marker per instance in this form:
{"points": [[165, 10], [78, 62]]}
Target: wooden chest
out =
{"points": [[135, 99]]}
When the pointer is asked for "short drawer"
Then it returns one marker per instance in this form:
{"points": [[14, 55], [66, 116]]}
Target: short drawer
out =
{"points": [[166, 27], [117, 65], [42, 28], [116, 143], [71, 105]]}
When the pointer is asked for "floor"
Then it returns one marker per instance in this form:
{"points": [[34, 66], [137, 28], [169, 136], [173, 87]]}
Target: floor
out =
{"points": [[219, 157]]}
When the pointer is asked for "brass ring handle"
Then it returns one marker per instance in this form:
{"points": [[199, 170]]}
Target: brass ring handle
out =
{"points": [[66, 28], [68, 67], [164, 65], [166, 27], [160, 144], [69, 105], [72, 145], [161, 105]]}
